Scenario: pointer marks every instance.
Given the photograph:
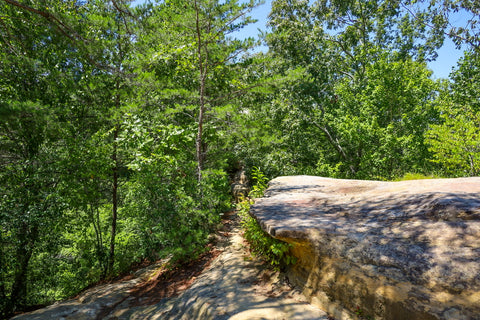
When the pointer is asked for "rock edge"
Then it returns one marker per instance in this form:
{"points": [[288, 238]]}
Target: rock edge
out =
{"points": [[388, 250]]}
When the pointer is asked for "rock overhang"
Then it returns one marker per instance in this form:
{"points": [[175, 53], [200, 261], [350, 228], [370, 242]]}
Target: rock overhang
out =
{"points": [[424, 234]]}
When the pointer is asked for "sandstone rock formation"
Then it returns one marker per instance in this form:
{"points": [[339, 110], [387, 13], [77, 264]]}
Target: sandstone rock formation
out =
{"points": [[386, 250], [240, 187]]}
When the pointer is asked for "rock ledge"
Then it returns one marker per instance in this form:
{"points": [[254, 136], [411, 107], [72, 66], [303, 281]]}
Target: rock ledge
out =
{"points": [[388, 250]]}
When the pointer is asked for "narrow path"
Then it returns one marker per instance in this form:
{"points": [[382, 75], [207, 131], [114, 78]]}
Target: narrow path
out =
{"points": [[233, 287], [229, 284]]}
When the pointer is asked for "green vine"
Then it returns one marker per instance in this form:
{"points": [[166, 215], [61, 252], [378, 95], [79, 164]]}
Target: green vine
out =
{"points": [[274, 251], [361, 314]]}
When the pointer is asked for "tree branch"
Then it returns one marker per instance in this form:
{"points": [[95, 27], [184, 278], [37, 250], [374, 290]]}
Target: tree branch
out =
{"points": [[63, 28], [334, 142], [450, 34]]}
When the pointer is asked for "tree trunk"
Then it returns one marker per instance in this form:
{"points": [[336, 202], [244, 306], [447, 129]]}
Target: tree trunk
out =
{"points": [[113, 232], [201, 90], [4, 303], [100, 250], [23, 253], [115, 169], [336, 144]]}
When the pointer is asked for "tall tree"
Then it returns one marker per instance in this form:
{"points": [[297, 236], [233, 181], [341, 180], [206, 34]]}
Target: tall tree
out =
{"points": [[61, 96], [207, 53], [455, 141], [324, 45], [112, 25], [32, 59]]}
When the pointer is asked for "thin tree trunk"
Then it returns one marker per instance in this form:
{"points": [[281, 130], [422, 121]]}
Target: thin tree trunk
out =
{"points": [[115, 169], [113, 232], [99, 240], [24, 253], [336, 144], [199, 140], [202, 79], [3, 294]]}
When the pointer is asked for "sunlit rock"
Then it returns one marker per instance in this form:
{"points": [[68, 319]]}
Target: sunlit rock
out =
{"points": [[385, 250]]}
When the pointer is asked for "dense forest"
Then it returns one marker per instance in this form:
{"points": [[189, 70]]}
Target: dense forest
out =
{"points": [[121, 125]]}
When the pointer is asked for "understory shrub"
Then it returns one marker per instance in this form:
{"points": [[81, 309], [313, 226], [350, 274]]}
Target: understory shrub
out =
{"points": [[274, 251]]}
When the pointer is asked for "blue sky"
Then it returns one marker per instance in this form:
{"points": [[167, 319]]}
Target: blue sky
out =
{"points": [[448, 55]]}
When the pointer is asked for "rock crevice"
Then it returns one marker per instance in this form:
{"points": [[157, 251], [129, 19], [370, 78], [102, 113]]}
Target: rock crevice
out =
{"points": [[389, 250]]}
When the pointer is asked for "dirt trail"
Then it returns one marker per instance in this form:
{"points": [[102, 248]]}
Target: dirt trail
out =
{"points": [[227, 284]]}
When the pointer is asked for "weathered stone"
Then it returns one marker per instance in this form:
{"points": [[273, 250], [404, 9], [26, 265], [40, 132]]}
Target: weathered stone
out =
{"points": [[240, 187], [235, 287], [89, 305], [239, 191], [389, 250]]}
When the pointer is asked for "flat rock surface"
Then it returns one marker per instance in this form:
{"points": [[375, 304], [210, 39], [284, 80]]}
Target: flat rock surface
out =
{"points": [[234, 286], [423, 232]]}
